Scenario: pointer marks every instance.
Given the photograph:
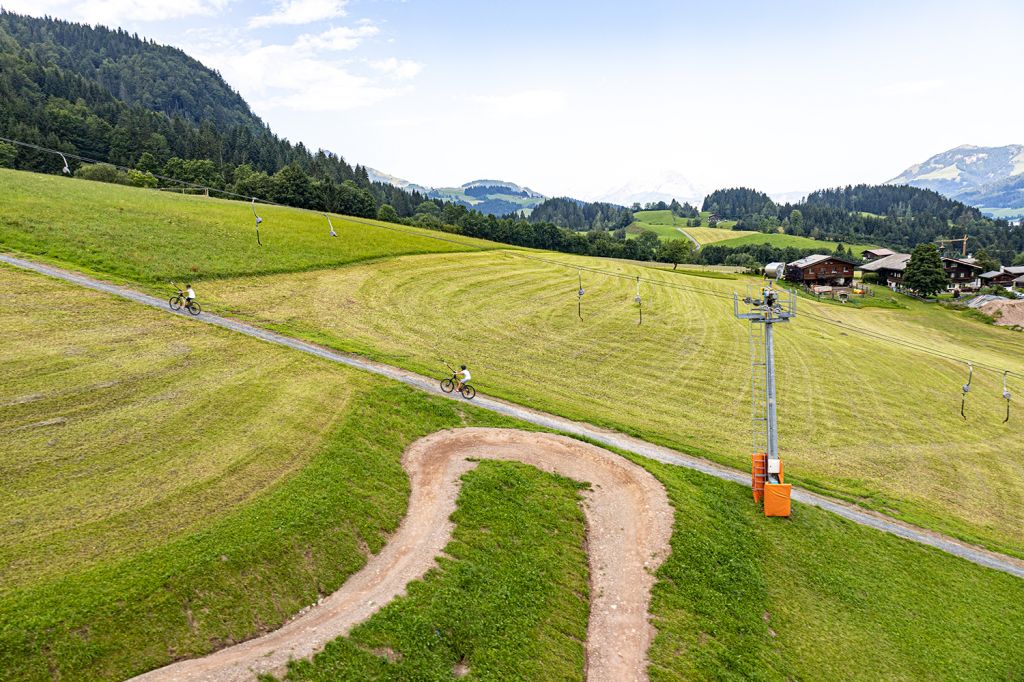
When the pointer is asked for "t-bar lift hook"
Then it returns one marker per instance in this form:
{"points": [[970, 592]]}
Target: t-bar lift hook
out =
{"points": [[639, 301], [579, 295], [1006, 396], [966, 389], [258, 221]]}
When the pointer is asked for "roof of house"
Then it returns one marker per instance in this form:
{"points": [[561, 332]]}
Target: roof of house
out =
{"points": [[1012, 270], [879, 253], [808, 261], [897, 261], [968, 262], [1019, 280]]}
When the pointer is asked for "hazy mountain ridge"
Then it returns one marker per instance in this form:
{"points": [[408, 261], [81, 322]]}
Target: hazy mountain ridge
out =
{"points": [[986, 177], [496, 197]]}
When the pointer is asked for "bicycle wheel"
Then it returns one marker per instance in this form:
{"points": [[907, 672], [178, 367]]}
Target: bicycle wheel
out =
{"points": [[447, 385], [468, 392], [175, 302], [194, 308]]}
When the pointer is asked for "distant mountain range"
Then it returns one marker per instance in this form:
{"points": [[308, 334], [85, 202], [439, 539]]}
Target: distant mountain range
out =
{"points": [[991, 178], [653, 187], [496, 197]]}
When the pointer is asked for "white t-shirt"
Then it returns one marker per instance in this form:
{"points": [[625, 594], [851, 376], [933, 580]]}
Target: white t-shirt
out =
{"points": [[190, 293], [465, 375]]}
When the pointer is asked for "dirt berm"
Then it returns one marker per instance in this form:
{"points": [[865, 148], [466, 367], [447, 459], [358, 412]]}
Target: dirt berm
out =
{"points": [[629, 525]]}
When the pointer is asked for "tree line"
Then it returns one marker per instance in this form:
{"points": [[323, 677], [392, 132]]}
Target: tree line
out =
{"points": [[897, 216]]}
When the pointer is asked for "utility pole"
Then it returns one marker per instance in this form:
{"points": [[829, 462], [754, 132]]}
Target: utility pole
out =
{"points": [[766, 309]]}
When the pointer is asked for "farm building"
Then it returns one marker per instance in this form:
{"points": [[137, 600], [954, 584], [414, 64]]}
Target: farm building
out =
{"points": [[1019, 283], [821, 270], [963, 274], [1003, 277], [875, 254], [889, 269]]}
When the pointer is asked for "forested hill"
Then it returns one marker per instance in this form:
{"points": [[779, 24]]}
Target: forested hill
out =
{"points": [[892, 200], [899, 217], [44, 103], [135, 71], [581, 215]]}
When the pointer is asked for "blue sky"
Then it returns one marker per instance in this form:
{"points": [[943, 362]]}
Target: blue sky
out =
{"points": [[582, 97]]}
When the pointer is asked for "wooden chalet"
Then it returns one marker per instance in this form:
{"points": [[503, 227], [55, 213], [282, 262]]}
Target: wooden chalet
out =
{"points": [[963, 274], [889, 269], [1004, 277], [821, 270]]}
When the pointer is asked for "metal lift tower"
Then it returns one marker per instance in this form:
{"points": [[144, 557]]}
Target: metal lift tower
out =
{"points": [[765, 309]]}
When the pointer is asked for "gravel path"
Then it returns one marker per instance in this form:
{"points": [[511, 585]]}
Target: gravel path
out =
{"points": [[975, 554], [696, 244], [629, 525]]}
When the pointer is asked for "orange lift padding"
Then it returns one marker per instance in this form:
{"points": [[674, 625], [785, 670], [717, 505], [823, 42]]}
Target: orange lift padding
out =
{"points": [[758, 474], [776, 499]]}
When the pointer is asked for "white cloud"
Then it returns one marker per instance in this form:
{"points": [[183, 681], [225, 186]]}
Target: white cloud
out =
{"points": [[528, 103], [296, 12], [340, 38], [303, 76], [116, 12], [401, 69]]}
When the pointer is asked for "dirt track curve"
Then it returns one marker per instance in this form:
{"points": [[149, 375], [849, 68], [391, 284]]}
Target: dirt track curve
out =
{"points": [[629, 525]]}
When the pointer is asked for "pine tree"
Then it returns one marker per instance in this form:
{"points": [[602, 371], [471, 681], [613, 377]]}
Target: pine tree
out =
{"points": [[925, 274]]}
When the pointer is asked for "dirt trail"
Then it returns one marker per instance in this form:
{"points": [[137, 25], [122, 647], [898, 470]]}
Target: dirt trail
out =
{"points": [[629, 525]]}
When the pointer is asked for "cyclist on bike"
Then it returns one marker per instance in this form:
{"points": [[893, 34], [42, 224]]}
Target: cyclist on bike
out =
{"points": [[462, 377], [190, 294]]}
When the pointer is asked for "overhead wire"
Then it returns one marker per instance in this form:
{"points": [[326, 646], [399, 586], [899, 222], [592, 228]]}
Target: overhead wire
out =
{"points": [[531, 256]]}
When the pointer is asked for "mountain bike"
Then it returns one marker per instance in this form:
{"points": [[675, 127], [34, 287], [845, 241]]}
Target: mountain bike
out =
{"points": [[178, 301], [448, 385]]}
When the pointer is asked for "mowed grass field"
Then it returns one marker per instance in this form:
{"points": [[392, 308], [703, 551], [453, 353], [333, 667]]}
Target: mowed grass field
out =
{"points": [[171, 488], [667, 225], [150, 237], [715, 235], [782, 241], [740, 596], [874, 423], [867, 420]]}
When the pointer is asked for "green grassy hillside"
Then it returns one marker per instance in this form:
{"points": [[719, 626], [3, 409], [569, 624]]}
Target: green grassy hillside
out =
{"points": [[715, 235], [177, 487], [872, 422], [667, 225], [151, 237], [782, 241]]}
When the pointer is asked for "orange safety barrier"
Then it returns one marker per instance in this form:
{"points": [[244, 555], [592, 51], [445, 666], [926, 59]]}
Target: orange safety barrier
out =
{"points": [[776, 499], [758, 474]]}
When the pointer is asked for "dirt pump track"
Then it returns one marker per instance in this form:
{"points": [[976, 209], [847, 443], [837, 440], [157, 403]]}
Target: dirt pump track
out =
{"points": [[628, 529]]}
